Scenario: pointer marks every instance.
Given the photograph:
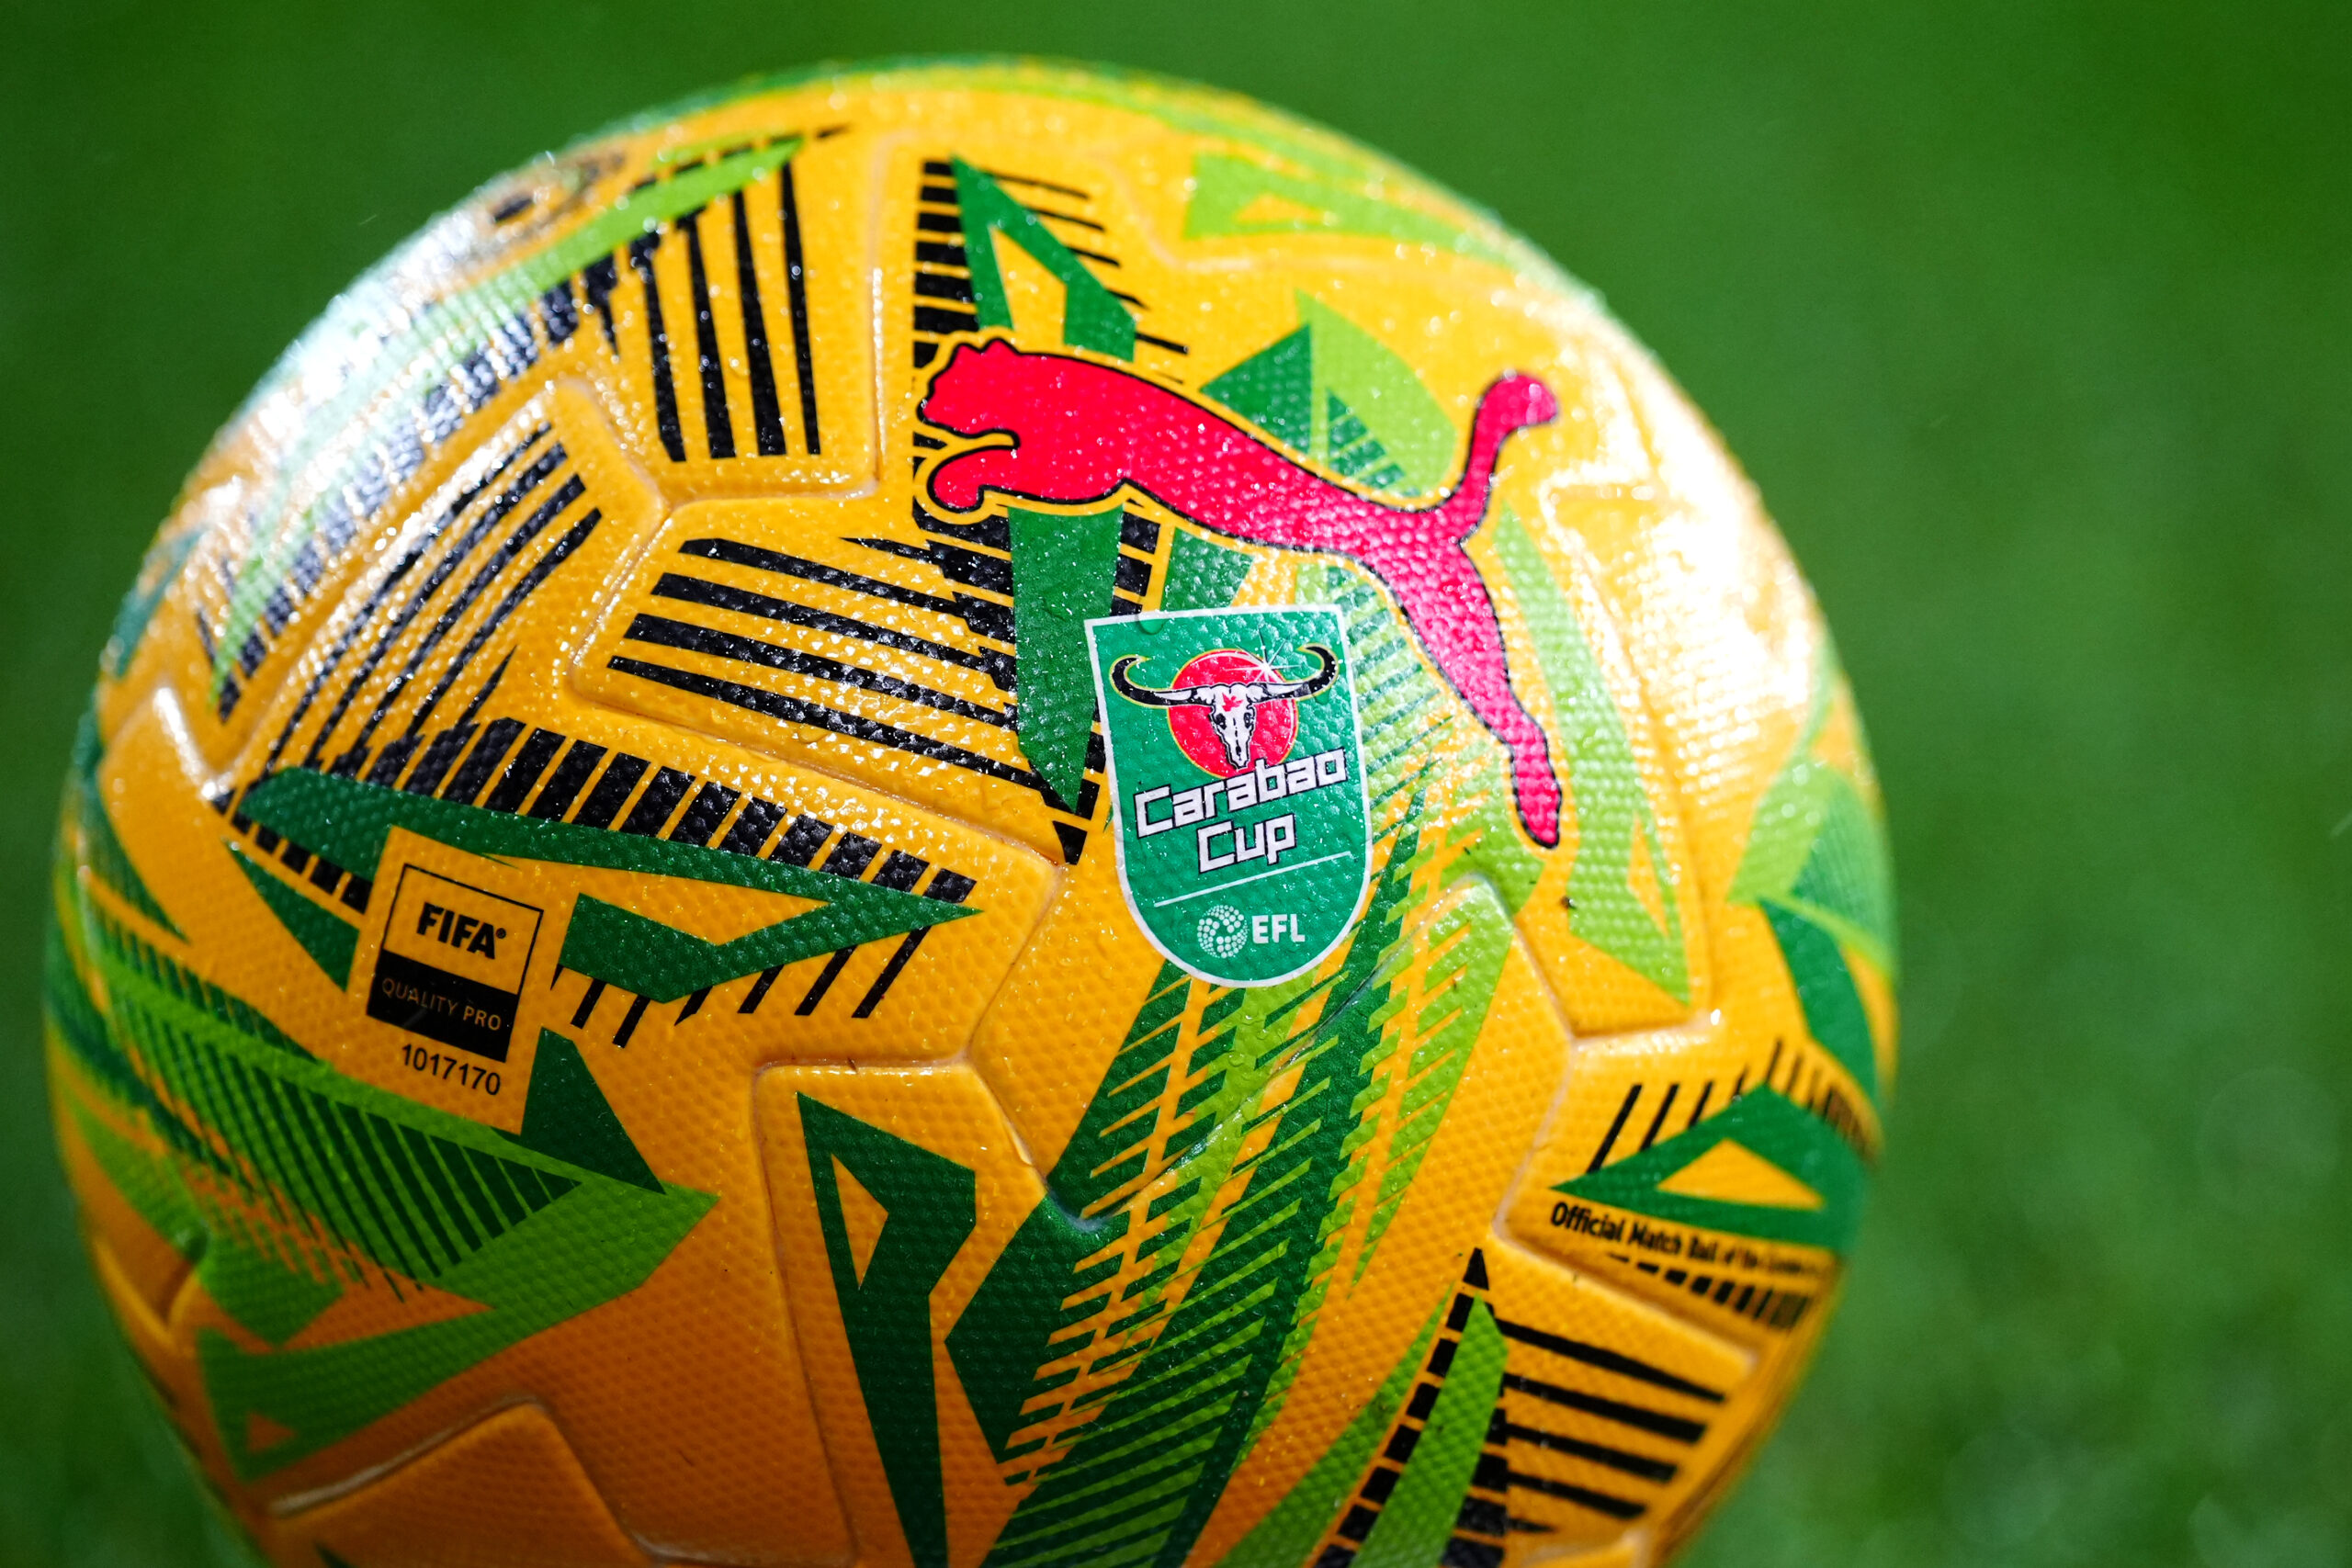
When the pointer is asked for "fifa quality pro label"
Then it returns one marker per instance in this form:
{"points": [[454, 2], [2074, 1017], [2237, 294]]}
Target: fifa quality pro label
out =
{"points": [[453, 962], [1238, 774]]}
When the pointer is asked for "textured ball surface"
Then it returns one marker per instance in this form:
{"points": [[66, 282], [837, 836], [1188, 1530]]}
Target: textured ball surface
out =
{"points": [[969, 815]]}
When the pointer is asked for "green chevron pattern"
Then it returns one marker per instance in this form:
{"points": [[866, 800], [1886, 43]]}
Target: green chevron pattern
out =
{"points": [[1137, 1483], [885, 1307], [282, 1178]]}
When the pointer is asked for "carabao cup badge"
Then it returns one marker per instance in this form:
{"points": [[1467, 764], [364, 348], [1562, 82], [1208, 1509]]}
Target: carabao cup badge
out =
{"points": [[1238, 775]]}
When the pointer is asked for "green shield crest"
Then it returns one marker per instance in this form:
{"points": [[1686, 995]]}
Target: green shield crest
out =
{"points": [[1237, 780]]}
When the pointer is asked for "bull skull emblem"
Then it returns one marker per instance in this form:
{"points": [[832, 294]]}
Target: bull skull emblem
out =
{"points": [[1232, 706]]}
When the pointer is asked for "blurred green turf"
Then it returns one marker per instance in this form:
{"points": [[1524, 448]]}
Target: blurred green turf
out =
{"points": [[2030, 320]]}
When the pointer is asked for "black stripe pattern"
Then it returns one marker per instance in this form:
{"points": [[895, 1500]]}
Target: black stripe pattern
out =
{"points": [[1799, 1076], [738, 292], [1484, 1523], [1625, 1423], [1649, 1111], [1633, 1425], [445, 603], [780, 351], [961, 573], [944, 303]]}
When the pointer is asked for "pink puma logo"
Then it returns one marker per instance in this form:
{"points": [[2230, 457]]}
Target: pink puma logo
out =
{"points": [[1082, 430]]}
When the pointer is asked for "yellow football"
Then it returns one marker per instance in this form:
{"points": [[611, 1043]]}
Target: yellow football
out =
{"points": [[969, 816]]}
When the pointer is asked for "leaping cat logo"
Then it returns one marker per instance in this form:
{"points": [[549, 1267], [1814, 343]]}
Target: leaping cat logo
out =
{"points": [[1081, 430]]}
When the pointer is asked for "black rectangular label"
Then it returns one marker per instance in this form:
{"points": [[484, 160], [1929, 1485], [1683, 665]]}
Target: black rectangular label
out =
{"points": [[442, 1006]]}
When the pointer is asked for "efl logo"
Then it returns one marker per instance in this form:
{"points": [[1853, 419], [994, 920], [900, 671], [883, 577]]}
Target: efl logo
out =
{"points": [[453, 962]]}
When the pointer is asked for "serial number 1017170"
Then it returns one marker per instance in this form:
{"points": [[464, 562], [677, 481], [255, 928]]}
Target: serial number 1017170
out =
{"points": [[441, 1065]]}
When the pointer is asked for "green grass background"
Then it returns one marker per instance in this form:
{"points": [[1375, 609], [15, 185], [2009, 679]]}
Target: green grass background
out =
{"points": [[2030, 319]]}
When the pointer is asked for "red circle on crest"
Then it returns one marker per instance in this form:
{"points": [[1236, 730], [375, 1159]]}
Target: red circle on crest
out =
{"points": [[1270, 729]]}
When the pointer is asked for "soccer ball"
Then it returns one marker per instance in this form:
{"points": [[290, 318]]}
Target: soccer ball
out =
{"points": [[969, 816]]}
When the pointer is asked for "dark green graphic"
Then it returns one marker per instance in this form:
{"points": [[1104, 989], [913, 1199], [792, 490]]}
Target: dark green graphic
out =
{"points": [[348, 822], [1046, 1311], [1092, 315], [330, 940], [1244, 838], [157, 572], [1062, 568], [1202, 576], [1826, 990], [1816, 864], [569, 1119], [886, 1298], [1335, 394], [1768, 1126], [102, 849], [1016, 1323]]}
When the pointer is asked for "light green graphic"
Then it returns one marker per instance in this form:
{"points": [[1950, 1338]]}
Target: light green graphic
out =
{"points": [[272, 1298], [1289, 1531], [348, 822], [1467, 944], [1771, 1128], [885, 1305], [1817, 848], [1243, 859], [1137, 1483], [1411, 718], [1335, 161], [1614, 812], [279, 1178], [1417, 1518], [147, 1182], [1336, 394], [1243, 195], [345, 1172]]}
